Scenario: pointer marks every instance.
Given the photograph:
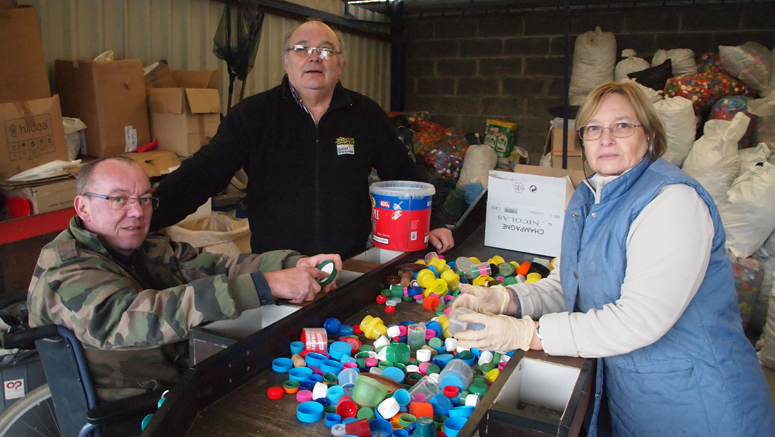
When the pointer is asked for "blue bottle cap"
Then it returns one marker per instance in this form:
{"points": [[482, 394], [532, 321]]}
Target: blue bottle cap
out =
{"points": [[309, 412], [332, 326], [282, 365], [297, 347], [300, 373], [332, 419], [346, 330]]}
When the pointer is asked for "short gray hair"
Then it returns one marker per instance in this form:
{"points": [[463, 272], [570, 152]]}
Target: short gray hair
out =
{"points": [[85, 173]]}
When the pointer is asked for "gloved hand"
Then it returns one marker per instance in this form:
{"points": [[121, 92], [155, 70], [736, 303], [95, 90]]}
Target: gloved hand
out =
{"points": [[493, 300], [500, 333]]}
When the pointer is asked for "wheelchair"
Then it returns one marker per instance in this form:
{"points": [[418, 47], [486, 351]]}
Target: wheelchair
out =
{"points": [[67, 405]]}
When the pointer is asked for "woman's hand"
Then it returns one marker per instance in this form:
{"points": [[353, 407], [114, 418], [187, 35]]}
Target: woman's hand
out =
{"points": [[494, 300], [500, 333]]}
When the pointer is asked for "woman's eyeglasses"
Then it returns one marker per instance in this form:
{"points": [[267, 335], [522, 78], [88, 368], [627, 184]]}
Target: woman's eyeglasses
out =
{"points": [[618, 130]]}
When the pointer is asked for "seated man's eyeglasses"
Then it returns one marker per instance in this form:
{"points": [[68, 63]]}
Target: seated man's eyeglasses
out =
{"points": [[123, 203], [618, 130], [305, 51]]}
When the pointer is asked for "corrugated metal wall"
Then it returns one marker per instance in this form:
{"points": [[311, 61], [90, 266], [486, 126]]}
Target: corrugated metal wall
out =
{"points": [[182, 31]]}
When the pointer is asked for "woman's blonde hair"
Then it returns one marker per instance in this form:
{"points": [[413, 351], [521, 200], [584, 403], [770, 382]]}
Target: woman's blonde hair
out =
{"points": [[647, 114]]}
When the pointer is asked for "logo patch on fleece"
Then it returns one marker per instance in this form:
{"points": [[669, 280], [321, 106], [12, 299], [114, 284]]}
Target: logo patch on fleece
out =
{"points": [[345, 146]]}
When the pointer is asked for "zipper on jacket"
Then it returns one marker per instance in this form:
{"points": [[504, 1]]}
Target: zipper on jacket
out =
{"points": [[317, 188]]}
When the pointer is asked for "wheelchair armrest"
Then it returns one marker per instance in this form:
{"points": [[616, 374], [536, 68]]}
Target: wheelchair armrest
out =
{"points": [[143, 404]]}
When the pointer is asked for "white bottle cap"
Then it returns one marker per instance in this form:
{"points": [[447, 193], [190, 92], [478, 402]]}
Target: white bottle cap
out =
{"points": [[319, 391], [450, 344], [423, 355], [472, 400], [394, 331], [388, 408], [381, 341], [412, 368], [338, 430], [485, 357]]}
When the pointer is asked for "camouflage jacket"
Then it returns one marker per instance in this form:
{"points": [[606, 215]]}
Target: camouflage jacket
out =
{"points": [[133, 317]]}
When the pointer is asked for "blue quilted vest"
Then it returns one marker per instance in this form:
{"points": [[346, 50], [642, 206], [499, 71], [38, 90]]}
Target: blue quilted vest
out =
{"points": [[702, 378]]}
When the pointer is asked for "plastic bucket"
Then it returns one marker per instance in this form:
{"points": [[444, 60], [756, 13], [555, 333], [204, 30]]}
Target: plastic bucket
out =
{"points": [[401, 212]]}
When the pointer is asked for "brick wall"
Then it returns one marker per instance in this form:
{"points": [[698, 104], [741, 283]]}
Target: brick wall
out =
{"points": [[466, 68]]}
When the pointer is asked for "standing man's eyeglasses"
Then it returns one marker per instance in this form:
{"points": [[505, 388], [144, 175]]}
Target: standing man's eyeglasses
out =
{"points": [[305, 51], [123, 203]]}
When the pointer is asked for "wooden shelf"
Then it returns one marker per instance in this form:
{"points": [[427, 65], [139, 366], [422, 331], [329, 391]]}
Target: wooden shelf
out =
{"points": [[32, 226]]}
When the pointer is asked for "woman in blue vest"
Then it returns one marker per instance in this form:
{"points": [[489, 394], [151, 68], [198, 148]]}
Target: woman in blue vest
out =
{"points": [[644, 283]]}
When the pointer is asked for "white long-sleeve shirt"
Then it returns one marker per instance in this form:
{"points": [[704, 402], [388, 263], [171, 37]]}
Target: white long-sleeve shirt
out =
{"points": [[668, 250]]}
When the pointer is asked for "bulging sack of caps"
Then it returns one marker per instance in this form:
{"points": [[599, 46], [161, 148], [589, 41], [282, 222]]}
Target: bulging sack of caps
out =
{"points": [[749, 62], [705, 89], [630, 64], [710, 63], [748, 274], [214, 233], [681, 59], [726, 108], [594, 58]]}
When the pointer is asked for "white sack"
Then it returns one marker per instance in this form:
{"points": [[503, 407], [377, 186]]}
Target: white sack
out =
{"points": [[677, 115], [594, 57], [682, 60], [749, 213], [479, 160], [630, 64], [749, 62], [713, 160], [751, 156]]}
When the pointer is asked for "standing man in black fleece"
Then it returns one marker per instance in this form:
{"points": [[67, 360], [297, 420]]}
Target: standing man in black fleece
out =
{"points": [[307, 147]]}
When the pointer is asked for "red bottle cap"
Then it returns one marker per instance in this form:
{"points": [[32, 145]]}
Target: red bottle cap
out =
{"points": [[381, 299], [274, 392], [451, 391], [390, 309], [357, 329]]}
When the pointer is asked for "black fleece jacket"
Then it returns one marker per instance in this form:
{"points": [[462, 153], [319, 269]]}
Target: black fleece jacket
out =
{"points": [[307, 185]]}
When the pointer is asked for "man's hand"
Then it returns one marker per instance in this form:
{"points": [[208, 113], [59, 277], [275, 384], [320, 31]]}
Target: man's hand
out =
{"points": [[441, 239], [312, 262], [494, 300], [298, 284], [500, 333]]}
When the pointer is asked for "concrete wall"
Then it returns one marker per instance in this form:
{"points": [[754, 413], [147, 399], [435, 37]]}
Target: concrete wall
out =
{"points": [[464, 69]]}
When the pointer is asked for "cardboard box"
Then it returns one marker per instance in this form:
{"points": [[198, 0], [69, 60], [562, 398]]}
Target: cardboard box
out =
{"points": [[32, 134], [23, 73], [186, 118], [526, 209], [110, 98], [47, 197], [557, 137], [574, 163], [156, 162]]}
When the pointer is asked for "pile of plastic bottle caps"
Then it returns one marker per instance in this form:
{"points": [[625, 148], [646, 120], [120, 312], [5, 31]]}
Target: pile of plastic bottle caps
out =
{"points": [[413, 379]]}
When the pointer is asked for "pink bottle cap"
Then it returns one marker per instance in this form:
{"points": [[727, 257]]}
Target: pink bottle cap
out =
{"points": [[303, 395]]}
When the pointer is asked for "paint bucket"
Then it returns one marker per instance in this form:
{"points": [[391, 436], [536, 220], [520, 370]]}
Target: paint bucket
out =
{"points": [[401, 214]]}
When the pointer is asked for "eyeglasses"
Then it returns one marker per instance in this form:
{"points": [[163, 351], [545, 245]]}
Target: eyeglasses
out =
{"points": [[305, 51], [124, 203], [618, 130]]}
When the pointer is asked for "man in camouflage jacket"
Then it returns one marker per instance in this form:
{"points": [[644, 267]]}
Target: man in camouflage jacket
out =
{"points": [[131, 299]]}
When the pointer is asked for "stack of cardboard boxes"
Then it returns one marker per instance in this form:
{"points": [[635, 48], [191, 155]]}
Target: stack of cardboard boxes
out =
{"points": [[575, 159], [32, 132]]}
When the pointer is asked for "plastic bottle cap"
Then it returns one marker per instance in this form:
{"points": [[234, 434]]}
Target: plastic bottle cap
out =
{"points": [[304, 396], [451, 391], [423, 355], [388, 408], [282, 365], [274, 392], [328, 267], [309, 412]]}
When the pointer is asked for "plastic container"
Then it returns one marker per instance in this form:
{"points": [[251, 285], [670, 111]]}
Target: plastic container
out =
{"points": [[456, 325], [368, 392], [348, 377], [358, 428], [480, 269], [415, 336], [315, 339], [424, 389], [456, 373], [402, 214]]}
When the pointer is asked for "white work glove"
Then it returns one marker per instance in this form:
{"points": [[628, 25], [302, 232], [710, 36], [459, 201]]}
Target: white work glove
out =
{"points": [[493, 300], [500, 333]]}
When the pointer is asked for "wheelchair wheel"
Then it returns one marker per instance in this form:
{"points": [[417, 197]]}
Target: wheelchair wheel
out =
{"points": [[31, 415]]}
